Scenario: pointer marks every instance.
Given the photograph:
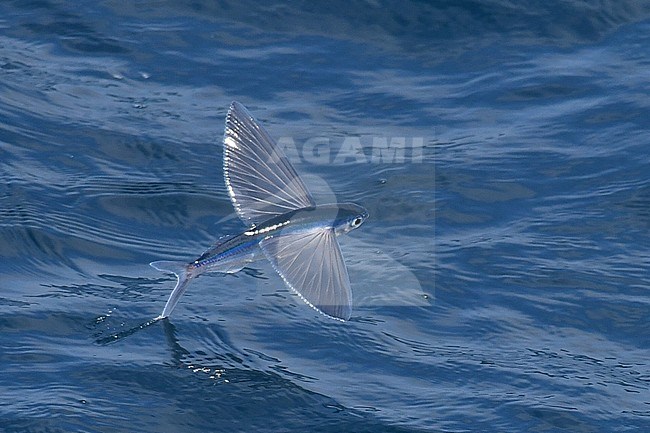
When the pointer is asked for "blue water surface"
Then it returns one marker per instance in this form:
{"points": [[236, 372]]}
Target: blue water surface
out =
{"points": [[500, 284]]}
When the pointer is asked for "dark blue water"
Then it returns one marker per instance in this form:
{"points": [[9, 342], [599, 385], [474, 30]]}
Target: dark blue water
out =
{"points": [[500, 284]]}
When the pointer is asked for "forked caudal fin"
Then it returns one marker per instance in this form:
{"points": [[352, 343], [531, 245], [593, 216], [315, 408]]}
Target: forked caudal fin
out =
{"points": [[182, 280]]}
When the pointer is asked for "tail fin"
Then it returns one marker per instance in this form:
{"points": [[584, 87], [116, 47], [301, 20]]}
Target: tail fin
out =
{"points": [[182, 280]]}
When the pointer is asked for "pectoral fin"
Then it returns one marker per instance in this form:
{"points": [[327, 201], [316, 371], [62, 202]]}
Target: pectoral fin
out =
{"points": [[311, 264]]}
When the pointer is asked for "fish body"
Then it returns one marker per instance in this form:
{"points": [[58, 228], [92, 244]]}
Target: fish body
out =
{"points": [[296, 235]]}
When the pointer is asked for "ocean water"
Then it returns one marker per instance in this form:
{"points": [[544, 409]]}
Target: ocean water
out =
{"points": [[501, 283]]}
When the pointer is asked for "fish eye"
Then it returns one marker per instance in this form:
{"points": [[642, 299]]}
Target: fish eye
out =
{"points": [[356, 222]]}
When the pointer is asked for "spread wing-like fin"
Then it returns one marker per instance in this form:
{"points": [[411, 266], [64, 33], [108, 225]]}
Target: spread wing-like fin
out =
{"points": [[311, 264], [260, 180]]}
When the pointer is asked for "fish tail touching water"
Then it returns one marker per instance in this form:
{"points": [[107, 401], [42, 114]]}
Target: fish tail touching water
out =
{"points": [[183, 278]]}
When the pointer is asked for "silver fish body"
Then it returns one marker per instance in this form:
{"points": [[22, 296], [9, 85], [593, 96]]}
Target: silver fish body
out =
{"points": [[233, 253]]}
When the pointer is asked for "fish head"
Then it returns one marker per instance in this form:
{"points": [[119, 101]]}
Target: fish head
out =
{"points": [[349, 217]]}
